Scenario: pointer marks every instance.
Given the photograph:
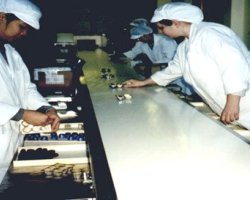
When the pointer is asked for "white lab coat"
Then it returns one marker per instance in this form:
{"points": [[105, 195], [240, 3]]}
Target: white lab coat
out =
{"points": [[216, 63], [162, 52], [16, 92]]}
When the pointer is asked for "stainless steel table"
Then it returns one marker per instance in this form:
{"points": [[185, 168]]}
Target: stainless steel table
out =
{"points": [[159, 147]]}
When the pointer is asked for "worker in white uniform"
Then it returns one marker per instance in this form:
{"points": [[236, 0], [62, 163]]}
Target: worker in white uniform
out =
{"points": [[19, 99], [150, 49], [212, 59], [153, 49]]}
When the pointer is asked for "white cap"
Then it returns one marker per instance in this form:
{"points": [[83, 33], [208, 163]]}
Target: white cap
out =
{"points": [[24, 10], [178, 11], [140, 30], [139, 21]]}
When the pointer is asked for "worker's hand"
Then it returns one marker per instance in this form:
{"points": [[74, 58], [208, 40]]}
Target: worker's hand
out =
{"points": [[231, 110], [53, 119], [35, 118], [133, 83], [136, 83]]}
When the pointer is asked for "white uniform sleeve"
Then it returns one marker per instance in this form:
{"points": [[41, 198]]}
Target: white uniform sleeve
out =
{"points": [[169, 50], [16, 89], [136, 50], [28, 94], [171, 73], [33, 99], [228, 55]]}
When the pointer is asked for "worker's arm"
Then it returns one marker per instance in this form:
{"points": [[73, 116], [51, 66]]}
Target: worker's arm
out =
{"points": [[132, 83]]}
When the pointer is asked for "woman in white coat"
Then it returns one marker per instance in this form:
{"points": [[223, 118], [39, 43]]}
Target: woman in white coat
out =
{"points": [[19, 98], [211, 58], [153, 48]]}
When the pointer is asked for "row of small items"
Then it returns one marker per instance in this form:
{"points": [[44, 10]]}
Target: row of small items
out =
{"points": [[120, 97], [115, 85], [59, 171], [105, 70], [55, 136], [106, 74], [28, 128]]}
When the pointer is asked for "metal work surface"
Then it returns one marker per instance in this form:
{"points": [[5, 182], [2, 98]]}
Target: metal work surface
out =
{"points": [[159, 147]]}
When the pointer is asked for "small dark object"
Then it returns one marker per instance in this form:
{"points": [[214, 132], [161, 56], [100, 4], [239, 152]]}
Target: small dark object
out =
{"points": [[113, 85], [39, 153]]}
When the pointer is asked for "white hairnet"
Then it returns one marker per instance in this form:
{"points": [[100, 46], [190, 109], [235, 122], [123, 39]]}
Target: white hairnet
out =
{"points": [[139, 21], [178, 11], [22, 9], [138, 31]]}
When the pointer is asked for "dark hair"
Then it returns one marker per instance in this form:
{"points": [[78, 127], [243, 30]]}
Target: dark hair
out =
{"points": [[166, 22], [10, 17]]}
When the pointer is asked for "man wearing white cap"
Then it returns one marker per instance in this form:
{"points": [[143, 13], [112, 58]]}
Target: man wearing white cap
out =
{"points": [[19, 98], [149, 49], [211, 58]]}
